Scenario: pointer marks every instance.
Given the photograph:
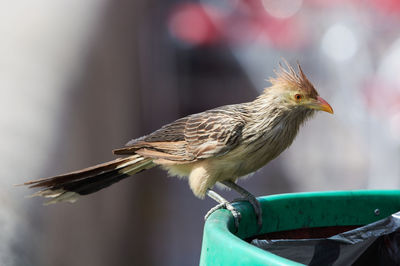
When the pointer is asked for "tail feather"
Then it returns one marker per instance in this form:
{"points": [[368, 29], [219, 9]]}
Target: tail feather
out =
{"points": [[68, 187], [84, 173]]}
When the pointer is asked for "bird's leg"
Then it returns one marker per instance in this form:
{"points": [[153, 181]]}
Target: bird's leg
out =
{"points": [[247, 196], [222, 203]]}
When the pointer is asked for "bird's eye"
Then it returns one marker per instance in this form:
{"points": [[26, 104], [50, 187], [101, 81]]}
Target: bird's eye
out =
{"points": [[298, 97]]}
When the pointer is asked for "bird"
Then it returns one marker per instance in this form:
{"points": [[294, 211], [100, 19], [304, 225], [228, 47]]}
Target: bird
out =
{"points": [[214, 147]]}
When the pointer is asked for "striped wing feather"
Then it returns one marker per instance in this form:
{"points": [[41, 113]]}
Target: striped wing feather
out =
{"points": [[199, 136]]}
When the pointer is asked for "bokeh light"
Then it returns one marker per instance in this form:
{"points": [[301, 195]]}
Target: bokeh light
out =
{"points": [[339, 42], [194, 24]]}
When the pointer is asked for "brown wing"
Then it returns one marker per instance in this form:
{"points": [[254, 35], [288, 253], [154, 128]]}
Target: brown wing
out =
{"points": [[213, 133], [199, 136], [168, 141]]}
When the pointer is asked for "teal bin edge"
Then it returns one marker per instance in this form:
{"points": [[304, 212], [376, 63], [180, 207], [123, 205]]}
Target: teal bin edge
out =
{"points": [[287, 212]]}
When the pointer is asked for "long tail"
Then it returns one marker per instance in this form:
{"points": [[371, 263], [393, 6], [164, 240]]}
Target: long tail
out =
{"points": [[68, 187]]}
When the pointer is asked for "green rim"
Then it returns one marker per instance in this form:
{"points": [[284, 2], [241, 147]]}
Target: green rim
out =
{"points": [[286, 212]]}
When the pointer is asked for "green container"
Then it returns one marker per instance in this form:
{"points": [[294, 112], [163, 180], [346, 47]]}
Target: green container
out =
{"points": [[221, 246]]}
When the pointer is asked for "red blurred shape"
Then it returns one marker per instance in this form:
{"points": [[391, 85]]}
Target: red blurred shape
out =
{"points": [[245, 22], [286, 33], [250, 21], [195, 24], [388, 7]]}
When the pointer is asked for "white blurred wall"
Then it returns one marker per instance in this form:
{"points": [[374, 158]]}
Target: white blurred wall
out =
{"points": [[42, 47]]}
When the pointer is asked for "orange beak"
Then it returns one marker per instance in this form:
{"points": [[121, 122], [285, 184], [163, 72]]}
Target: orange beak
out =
{"points": [[321, 105]]}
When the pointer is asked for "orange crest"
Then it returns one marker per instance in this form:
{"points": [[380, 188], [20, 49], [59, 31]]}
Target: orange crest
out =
{"points": [[288, 78]]}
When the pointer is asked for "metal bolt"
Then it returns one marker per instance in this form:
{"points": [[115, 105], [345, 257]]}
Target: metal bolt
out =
{"points": [[377, 212]]}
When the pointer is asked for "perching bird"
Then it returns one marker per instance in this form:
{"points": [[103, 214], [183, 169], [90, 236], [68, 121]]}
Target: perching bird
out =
{"points": [[218, 145]]}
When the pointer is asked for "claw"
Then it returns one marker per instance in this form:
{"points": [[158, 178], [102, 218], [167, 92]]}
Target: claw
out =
{"points": [[257, 209], [247, 196], [226, 205]]}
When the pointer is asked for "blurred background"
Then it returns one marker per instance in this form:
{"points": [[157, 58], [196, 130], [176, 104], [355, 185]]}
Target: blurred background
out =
{"points": [[80, 78]]}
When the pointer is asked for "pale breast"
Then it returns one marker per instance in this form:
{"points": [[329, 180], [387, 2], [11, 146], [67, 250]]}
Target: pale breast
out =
{"points": [[251, 156]]}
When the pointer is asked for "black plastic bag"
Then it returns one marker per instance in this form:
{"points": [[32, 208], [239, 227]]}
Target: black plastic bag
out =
{"points": [[377, 243]]}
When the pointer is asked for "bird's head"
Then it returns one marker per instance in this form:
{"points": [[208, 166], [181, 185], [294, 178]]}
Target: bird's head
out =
{"points": [[295, 91]]}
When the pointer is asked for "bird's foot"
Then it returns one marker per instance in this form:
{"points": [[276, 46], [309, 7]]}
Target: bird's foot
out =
{"points": [[247, 196], [256, 206], [226, 205]]}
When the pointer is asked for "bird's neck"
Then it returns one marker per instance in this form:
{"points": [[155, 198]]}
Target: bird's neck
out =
{"points": [[268, 113]]}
